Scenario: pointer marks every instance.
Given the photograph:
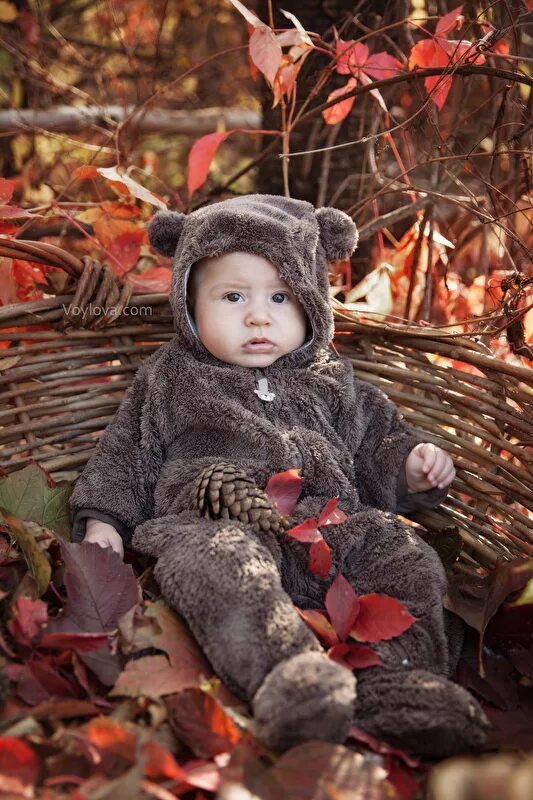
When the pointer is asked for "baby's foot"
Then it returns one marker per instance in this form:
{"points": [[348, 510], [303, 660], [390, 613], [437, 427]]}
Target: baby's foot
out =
{"points": [[419, 712], [305, 697]]}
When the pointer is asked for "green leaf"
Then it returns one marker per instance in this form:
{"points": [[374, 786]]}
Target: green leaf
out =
{"points": [[27, 495]]}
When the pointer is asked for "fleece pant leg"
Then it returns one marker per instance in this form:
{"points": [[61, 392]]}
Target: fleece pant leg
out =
{"points": [[224, 579], [388, 557], [408, 701]]}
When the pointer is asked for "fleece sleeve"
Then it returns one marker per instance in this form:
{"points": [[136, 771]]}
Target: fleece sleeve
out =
{"points": [[118, 482], [380, 440]]}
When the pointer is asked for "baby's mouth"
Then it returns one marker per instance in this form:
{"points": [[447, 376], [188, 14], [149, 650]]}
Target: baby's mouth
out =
{"points": [[259, 344]]}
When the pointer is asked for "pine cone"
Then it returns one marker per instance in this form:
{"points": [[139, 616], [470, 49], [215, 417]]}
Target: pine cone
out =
{"points": [[223, 491]]}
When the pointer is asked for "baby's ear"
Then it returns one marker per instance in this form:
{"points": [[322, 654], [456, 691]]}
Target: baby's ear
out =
{"points": [[338, 234], [165, 230]]}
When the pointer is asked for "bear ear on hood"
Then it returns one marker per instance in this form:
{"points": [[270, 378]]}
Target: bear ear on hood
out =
{"points": [[165, 230], [338, 234]]}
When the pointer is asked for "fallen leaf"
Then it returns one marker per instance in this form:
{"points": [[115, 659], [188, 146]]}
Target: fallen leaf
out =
{"points": [[153, 677], [380, 617], [29, 495], [201, 723], [19, 767], [38, 564], [330, 514], [319, 558], [319, 624], [284, 489], [354, 656], [298, 772], [342, 606], [81, 642], [30, 619], [306, 531], [100, 589]]}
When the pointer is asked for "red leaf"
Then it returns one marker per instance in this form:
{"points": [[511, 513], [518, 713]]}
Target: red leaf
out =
{"points": [[109, 734], [126, 249], [8, 228], [354, 656], [27, 687], [39, 679], [403, 781], [200, 157], [319, 558], [430, 53], [265, 52], [342, 606], [380, 747], [27, 275], [284, 489], [14, 212], [438, 52], [306, 531], [319, 624], [380, 617], [382, 65], [81, 642], [153, 676], [352, 57], [201, 723], [340, 110], [330, 514], [19, 766], [7, 187], [85, 172], [32, 616], [100, 589], [155, 279], [202, 774], [162, 764], [453, 19]]}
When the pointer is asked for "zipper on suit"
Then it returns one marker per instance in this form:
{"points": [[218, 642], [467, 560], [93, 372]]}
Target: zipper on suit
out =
{"points": [[264, 392]]}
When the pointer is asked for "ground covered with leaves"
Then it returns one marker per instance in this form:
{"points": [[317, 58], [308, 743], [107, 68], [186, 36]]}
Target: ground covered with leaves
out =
{"points": [[105, 693]]}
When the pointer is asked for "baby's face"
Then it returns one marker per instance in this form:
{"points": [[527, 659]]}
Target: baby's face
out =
{"points": [[238, 297]]}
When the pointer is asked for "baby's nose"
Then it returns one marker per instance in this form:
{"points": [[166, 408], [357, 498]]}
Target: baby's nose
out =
{"points": [[257, 316]]}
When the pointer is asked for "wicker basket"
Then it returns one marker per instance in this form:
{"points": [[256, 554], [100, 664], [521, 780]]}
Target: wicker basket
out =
{"points": [[63, 375]]}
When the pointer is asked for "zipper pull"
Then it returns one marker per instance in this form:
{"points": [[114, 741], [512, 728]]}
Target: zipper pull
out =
{"points": [[263, 391]]}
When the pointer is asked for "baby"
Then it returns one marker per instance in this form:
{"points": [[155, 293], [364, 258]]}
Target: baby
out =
{"points": [[249, 380]]}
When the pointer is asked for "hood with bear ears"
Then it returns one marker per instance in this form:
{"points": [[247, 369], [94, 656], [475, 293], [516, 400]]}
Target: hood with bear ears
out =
{"points": [[294, 236]]}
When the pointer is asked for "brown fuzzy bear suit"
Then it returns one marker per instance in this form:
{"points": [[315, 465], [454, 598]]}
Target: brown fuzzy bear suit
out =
{"points": [[236, 585]]}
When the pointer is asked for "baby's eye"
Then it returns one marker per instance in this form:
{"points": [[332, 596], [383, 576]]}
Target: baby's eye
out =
{"points": [[232, 294], [280, 294]]}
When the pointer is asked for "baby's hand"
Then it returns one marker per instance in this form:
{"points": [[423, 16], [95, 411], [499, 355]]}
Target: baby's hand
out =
{"points": [[428, 466], [105, 535]]}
